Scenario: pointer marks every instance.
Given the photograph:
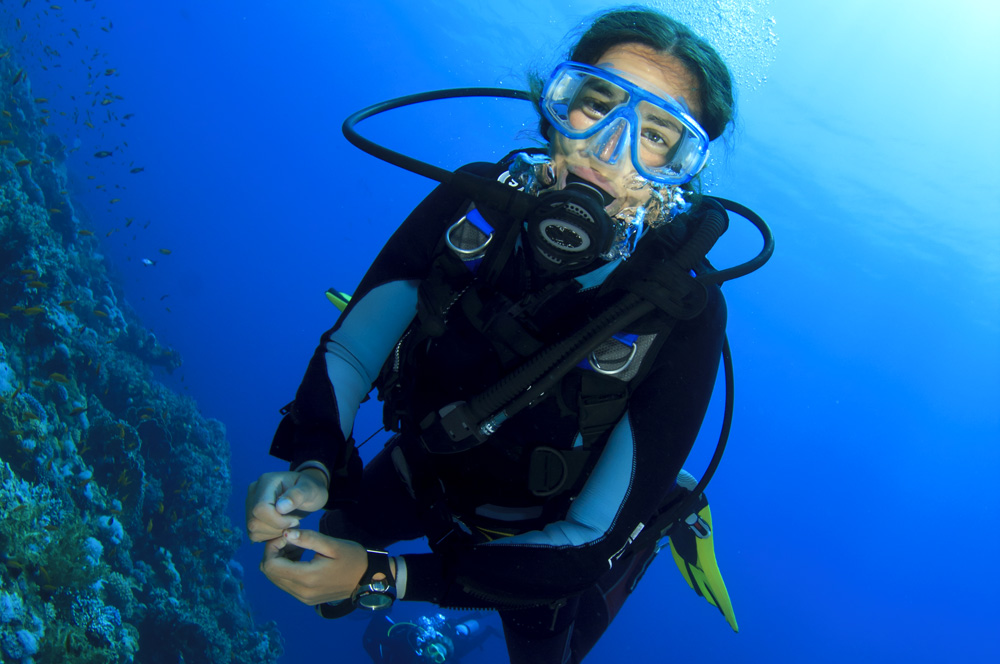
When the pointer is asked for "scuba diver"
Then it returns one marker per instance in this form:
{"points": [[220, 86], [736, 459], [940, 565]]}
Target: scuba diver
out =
{"points": [[426, 640], [545, 333]]}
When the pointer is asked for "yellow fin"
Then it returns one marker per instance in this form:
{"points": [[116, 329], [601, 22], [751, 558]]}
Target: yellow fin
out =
{"points": [[703, 574], [338, 298]]}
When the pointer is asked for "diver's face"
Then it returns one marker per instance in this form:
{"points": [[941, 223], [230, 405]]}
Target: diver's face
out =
{"points": [[651, 70]]}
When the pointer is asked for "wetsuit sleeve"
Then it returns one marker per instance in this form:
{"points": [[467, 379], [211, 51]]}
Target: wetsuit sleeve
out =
{"points": [[350, 355], [637, 468]]}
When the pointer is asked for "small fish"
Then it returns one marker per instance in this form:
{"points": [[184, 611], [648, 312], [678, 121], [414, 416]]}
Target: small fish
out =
{"points": [[22, 162], [55, 211], [6, 141], [109, 72], [7, 114], [84, 231], [18, 76], [114, 200], [137, 169], [38, 383], [163, 297], [105, 102], [67, 304], [102, 314], [149, 526], [88, 124], [37, 284], [3, 315], [28, 415], [148, 263], [17, 307], [33, 311], [40, 100], [28, 272], [128, 221], [77, 411], [160, 507], [101, 154], [165, 252], [128, 116], [59, 378]]}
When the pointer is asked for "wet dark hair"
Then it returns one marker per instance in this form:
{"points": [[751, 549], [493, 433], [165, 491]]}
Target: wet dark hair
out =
{"points": [[649, 27]]}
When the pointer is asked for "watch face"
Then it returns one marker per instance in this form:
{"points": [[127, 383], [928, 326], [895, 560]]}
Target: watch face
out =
{"points": [[375, 601]]}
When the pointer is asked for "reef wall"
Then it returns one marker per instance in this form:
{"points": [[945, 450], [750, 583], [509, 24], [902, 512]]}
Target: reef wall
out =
{"points": [[114, 544]]}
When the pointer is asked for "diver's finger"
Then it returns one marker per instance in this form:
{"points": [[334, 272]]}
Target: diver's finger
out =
{"points": [[324, 545]]}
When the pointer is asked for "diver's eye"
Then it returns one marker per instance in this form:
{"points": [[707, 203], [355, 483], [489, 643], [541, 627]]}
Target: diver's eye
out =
{"points": [[654, 138], [589, 109]]}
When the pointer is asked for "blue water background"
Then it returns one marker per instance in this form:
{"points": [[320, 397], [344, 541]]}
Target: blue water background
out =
{"points": [[856, 510]]}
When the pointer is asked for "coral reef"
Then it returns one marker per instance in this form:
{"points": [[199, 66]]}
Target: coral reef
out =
{"points": [[113, 543]]}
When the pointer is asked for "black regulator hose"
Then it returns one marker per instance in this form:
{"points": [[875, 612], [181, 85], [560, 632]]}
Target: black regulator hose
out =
{"points": [[710, 228], [729, 273], [489, 192]]}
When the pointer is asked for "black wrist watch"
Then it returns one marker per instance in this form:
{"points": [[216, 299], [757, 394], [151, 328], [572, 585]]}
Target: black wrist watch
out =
{"points": [[374, 595]]}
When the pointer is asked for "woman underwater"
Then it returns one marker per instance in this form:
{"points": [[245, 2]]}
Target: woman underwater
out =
{"points": [[542, 509]]}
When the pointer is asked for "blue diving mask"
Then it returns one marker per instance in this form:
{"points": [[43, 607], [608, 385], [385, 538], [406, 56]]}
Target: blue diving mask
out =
{"points": [[621, 120]]}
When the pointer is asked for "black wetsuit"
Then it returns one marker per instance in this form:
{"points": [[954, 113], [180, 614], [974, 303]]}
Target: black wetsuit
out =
{"points": [[573, 556]]}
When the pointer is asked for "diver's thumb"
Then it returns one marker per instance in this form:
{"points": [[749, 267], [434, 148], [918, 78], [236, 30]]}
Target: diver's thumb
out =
{"points": [[300, 499]]}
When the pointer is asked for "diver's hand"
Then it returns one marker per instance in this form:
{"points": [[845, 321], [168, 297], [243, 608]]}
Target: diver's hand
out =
{"points": [[332, 575], [277, 501]]}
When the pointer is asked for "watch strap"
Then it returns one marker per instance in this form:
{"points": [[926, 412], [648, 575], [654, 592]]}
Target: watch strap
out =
{"points": [[378, 563]]}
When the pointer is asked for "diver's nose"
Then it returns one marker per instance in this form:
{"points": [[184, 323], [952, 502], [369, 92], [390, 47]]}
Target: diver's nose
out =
{"points": [[612, 143]]}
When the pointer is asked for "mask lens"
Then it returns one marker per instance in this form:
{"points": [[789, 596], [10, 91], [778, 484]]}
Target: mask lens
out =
{"points": [[667, 149], [579, 102]]}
